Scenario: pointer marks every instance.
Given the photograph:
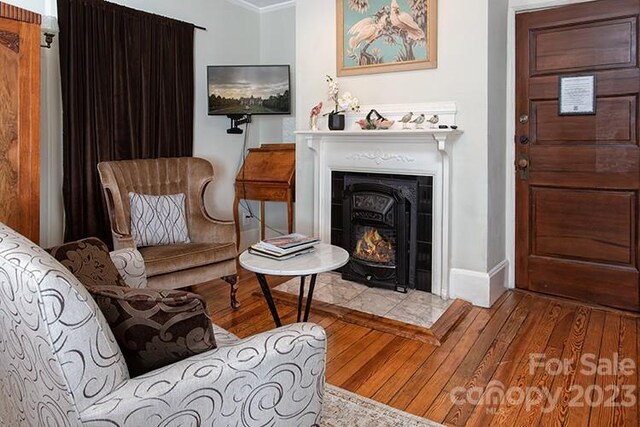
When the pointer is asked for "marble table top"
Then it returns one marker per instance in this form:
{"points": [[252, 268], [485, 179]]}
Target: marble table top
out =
{"points": [[325, 258]]}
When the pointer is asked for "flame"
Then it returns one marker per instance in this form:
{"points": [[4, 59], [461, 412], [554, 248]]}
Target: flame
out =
{"points": [[373, 247]]}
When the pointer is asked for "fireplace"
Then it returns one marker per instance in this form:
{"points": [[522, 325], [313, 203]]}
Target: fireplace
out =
{"points": [[424, 154], [384, 222]]}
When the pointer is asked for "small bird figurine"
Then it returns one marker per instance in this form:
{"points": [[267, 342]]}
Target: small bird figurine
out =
{"points": [[419, 121], [313, 116], [433, 120], [405, 120]]}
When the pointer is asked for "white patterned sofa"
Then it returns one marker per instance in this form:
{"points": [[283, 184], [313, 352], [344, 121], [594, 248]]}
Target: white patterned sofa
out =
{"points": [[60, 364]]}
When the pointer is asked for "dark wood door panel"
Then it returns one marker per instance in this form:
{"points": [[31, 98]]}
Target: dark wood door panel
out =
{"points": [[585, 166], [613, 123], [590, 46], [610, 83], [586, 225], [584, 281]]}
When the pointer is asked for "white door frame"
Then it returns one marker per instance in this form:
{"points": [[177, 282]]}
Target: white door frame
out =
{"points": [[516, 6]]}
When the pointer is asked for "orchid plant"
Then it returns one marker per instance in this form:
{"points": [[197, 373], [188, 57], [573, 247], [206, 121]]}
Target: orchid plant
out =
{"points": [[346, 102]]}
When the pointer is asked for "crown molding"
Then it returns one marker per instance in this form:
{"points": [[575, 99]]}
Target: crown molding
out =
{"points": [[252, 7], [278, 6]]}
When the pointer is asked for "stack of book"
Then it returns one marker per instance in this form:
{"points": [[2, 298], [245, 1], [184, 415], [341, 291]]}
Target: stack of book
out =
{"points": [[284, 247]]}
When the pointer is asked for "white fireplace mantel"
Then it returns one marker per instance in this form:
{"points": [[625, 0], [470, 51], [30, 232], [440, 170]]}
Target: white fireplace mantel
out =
{"points": [[423, 152]]}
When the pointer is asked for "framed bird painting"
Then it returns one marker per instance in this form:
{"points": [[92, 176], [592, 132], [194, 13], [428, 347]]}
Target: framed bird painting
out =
{"points": [[377, 36]]}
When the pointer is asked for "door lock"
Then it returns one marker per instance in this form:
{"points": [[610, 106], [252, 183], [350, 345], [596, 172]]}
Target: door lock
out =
{"points": [[524, 139], [523, 167]]}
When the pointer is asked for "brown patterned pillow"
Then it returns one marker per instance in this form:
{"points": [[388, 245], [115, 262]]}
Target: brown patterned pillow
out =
{"points": [[89, 260], [155, 327]]}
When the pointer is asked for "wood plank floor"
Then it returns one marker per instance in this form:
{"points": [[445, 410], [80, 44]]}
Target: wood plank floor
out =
{"points": [[486, 365]]}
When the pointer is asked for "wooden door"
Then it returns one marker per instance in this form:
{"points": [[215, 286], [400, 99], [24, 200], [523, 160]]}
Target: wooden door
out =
{"points": [[578, 175], [20, 120]]}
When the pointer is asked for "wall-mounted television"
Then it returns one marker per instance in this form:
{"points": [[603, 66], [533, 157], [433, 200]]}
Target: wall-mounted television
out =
{"points": [[248, 89]]}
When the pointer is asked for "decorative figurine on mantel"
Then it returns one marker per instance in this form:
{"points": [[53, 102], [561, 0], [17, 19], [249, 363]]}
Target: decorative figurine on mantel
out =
{"points": [[419, 121], [378, 123], [313, 117], [406, 119], [433, 120]]}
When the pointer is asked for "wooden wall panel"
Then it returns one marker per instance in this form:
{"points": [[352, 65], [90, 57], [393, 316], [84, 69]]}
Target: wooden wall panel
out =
{"points": [[9, 127], [20, 120]]}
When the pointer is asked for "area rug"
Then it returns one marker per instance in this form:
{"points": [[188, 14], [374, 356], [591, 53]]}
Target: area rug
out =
{"points": [[345, 409]]}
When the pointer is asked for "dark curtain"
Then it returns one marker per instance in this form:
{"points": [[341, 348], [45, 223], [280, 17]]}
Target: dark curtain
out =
{"points": [[127, 93]]}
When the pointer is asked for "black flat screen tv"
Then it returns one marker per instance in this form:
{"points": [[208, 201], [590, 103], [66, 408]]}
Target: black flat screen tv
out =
{"points": [[248, 89]]}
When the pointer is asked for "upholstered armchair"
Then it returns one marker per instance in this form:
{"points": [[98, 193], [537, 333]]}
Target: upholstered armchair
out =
{"points": [[60, 363], [211, 252]]}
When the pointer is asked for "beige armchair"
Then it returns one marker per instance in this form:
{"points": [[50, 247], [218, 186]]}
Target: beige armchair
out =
{"points": [[212, 251]]}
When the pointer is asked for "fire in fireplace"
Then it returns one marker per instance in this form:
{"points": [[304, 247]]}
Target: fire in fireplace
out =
{"points": [[374, 247]]}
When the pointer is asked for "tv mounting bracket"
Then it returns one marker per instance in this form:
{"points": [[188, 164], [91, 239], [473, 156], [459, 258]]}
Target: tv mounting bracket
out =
{"points": [[237, 120]]}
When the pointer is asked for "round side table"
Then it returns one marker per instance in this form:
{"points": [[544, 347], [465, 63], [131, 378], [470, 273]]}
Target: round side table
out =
{"points": [[325, 258]]}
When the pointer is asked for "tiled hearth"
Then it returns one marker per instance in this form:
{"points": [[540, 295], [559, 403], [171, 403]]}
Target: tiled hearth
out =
{"points": [[415, 307]]}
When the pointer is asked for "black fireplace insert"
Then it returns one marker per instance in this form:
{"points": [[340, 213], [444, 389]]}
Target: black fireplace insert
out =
{"points": [[385, 223], [375, 234]]}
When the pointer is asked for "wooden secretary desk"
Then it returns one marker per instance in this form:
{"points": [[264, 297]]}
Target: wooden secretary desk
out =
{"points": [[268, 175]]}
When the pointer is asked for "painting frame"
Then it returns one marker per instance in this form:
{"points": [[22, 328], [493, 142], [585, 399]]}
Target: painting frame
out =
{"points": [[431, 45]]}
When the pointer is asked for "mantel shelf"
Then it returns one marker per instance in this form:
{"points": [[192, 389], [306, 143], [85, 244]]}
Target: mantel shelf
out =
{"points": [[440, 136]]}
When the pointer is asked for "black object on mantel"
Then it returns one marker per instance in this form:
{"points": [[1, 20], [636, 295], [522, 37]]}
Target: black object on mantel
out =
{"points": [[336, 121], [454, 127], [443, 127]]}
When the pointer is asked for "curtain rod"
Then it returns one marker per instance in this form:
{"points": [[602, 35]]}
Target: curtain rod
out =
{"points": [[199, 27]]}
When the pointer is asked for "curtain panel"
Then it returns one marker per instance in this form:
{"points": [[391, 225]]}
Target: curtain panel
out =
{"points": [[127, 93]]}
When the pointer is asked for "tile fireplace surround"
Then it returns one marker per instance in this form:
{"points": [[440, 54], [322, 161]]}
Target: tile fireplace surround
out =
{"points": [[419, 152]]}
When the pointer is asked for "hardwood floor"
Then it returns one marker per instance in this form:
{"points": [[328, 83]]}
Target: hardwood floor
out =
{"points": [[483, 369]]}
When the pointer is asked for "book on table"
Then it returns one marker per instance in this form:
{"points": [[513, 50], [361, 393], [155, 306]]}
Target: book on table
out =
{"points": [[279, 257], [286, 244]]}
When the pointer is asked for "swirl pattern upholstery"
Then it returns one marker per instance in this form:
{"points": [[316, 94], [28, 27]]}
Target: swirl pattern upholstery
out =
{"points": [[60, 364], [130, 265]]}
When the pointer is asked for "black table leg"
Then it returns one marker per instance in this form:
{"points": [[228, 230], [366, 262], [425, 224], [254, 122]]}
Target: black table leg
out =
{"points": [[300, 297], [310, 297], [267, 295]]}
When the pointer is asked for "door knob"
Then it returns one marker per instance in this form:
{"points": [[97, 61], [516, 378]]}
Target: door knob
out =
{"points": [[523, 164]]}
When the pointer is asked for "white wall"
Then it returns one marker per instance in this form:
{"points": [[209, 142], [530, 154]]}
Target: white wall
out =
{"points": [[277, 46], [497, 136], [461, 77]]}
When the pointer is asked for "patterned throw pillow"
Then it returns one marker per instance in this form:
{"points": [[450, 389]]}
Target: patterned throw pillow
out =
{"points": [[158, 220], [155, 327], [89, 260]]}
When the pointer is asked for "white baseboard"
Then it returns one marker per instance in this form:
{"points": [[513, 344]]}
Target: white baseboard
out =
{"points": [[481, 289]]}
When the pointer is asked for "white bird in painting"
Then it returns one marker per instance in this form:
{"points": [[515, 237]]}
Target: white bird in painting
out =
{"points": [[404, 21], [365, 30]]}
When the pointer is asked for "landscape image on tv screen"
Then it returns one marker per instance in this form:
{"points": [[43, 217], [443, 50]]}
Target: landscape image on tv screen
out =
{"points": [[249, 89]]}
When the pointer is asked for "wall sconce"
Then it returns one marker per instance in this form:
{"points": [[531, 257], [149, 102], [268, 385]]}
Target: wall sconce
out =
{"points": [[49, 28]]}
